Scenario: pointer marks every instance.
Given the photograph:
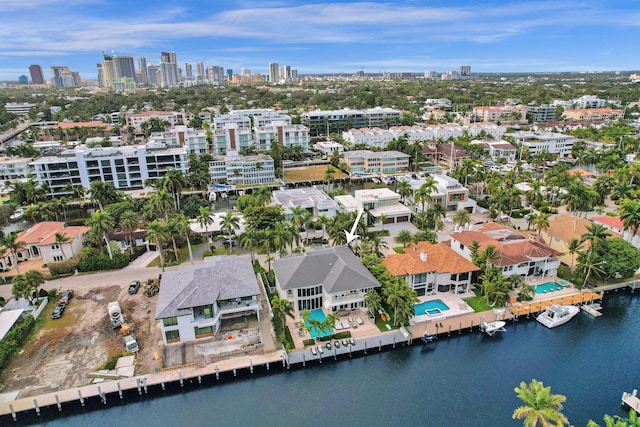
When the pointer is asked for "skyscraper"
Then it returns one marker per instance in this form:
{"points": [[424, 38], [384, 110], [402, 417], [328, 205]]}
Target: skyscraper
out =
{"points": [[200, 69], [142, 65], [107, 71], [37, 76], [152, 74], [125, 67], [465, 70], [274, 72], [61, 76], [169, 69], [188, 70]]}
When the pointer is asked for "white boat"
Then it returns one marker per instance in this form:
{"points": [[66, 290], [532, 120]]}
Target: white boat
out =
{"points": [[493, 327], [557, 315], [17, 215]]}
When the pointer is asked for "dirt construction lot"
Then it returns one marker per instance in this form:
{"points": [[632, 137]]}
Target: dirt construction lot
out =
{"points": [[63, 351]]}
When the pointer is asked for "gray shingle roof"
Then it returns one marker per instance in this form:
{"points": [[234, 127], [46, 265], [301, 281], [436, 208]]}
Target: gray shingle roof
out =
{"points": [[219, 278], [337, 269]]}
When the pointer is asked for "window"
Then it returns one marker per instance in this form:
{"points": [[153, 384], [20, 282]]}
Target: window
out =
{"points": [[206, 331], [170, 321], [172, 336]]}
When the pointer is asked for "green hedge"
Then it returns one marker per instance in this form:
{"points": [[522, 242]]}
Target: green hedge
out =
{"points": [[308, 342], [14, 339], [342, 335], [63, 267], [102, 262]]}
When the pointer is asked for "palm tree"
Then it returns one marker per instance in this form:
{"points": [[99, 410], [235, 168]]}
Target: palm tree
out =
{"points": [[184, 230], [383, 219], [328, 174], [229, 223], [490, 254], [171, 228], [204, 219], [60, 239], [297, 214], [263, 195], [461, 217], [540, 407], [8, 242], [372, 300], [323, 220], [630, 216], [21, 287], [596, 235], [590, 262], [162, 201], [423, 194], [174, 181], [281, 309], [404, 190], [573, 246], [102, 193], [403, 237], [102, 223], [393, 293], [129, 223], [34, 279], [156, 233], [249, 240], [541, 222]]}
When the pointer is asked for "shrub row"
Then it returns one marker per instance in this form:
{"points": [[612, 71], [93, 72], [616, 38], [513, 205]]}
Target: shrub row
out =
{"points": [[102, 262], [14, 339], [63, 267]]}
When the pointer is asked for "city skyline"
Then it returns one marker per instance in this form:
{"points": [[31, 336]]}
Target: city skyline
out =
{"points": [[338, 37]]}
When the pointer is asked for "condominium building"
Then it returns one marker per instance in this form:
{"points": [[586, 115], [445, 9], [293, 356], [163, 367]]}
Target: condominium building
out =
{"points": [[365, 161], [280, 133], [127, 168], [172, 117], [542, 113], [61, 76], [194, 140], [231, 140], [169, 69], [589, 101], [537, 142], [449, 192], [12, 168], [242, 170], [504, 114], [19, 108], [321, 122], [594, 114]]}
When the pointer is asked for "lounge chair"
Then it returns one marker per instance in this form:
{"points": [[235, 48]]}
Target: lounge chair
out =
{"points": [[359, 320], [345, 325], [350, 319], [338, 326]]}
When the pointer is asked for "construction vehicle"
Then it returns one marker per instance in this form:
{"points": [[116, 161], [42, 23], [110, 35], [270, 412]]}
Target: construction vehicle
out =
{"points": [[115, 314], [152, 287], [130, 343]]}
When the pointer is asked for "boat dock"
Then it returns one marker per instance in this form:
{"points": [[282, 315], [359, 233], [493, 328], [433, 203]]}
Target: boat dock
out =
{"points": [[631, 400], [532, 307], [593, 309]]}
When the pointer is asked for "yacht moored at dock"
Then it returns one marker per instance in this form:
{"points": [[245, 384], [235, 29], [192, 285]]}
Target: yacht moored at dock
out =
{"points": [[556, 315], [492, 327]]}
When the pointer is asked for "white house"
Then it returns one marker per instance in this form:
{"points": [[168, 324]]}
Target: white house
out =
{"points": [[430, 268], [195, 299], [376, 202], [614, 223], [312, 199], [333, 279]]}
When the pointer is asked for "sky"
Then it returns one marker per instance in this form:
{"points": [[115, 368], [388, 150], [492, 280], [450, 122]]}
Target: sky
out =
{"points": [[324, 37]]}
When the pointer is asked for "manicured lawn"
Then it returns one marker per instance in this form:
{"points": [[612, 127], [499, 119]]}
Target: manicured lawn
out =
{"points": [[382, 325], [398, 250], [478, 304], [311, 173]]}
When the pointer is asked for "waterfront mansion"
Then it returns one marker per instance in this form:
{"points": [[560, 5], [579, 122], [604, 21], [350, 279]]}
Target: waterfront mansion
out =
{"points": [[332, 278]]}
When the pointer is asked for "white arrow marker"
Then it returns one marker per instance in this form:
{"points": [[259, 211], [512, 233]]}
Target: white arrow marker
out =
{"points": [[352, 236]]}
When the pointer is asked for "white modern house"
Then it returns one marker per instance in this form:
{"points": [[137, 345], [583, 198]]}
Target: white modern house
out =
{"points": [[333, 279], [430, 268], [377, 203], [449, 192], [194, 300], [537, 142], [498, 149], [311, 199]]}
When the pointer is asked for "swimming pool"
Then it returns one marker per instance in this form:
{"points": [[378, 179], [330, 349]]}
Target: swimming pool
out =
{"points": [[318, 314], [547, 287], [430, 308]]}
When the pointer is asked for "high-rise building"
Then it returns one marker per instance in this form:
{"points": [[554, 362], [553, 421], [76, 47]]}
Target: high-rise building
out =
{"points": [[274, 72], [169, 69], [200, 69], [61, 77], [229, 74], [107, 71], [37, 76], [465, 70], [215, 75], [245, 72], [142, 66], [125, 67], [188, 70], [152, 74]]}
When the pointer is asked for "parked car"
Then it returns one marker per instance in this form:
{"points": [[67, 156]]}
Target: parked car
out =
{"points": [[66, 296], [134, 286], [58, 311]]}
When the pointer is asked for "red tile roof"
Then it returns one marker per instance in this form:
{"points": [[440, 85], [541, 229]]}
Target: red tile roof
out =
{"points": [[439, 258]]}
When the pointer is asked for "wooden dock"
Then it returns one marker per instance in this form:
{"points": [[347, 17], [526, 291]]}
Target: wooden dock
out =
{"points": [[631, 400], [531, 307]]}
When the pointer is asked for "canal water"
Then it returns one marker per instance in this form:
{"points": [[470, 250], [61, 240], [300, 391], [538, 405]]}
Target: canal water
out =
{"points": [[463, 380]]}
